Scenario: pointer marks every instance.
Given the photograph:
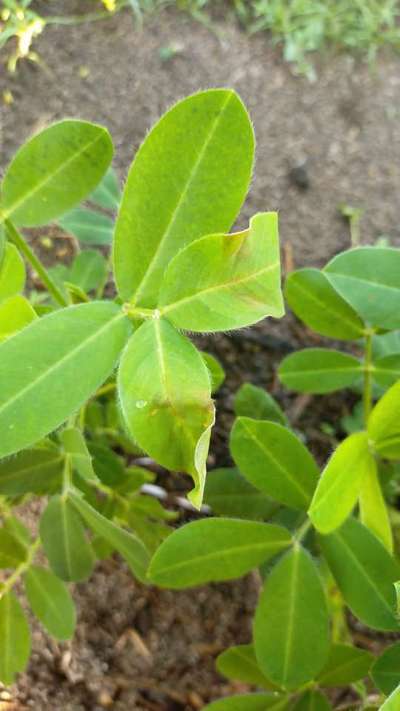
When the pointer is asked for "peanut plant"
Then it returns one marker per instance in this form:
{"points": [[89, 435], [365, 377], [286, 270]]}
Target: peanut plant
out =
{"points": [[84, 381], [325, 542], [89, 384]]}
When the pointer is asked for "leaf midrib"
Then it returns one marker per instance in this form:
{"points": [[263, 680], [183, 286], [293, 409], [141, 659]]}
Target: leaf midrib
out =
{"points": [[277, 544], [364, 573], [216, 287], [278, 465], [292, 587], [21, 393], [167, 231]]}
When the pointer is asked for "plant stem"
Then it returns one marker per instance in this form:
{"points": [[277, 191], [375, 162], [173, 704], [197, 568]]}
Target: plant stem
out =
{"points": [[19, 241], [303, 530], [367, 390], [20, 570], [67, 476]]}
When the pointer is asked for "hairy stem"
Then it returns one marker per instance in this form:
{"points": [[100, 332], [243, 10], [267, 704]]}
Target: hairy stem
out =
{"points": [[19, 241]]}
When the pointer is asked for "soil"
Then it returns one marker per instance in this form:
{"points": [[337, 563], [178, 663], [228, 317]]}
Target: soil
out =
{"points": [[319, 145]]}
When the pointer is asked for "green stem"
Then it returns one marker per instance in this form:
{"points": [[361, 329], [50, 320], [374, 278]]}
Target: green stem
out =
{"points": [[367, 390], [303, 530], [67, 476], [20, 570], [35, 262]]}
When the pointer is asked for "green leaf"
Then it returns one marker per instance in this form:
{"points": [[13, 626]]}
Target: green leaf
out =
{"points": [[373, 509], [12, 551], [221, 282], [215, 370], [319, 370], [89, 270], [312, 701], [240, 663], [319, 306], [108, 466], [291, 627], [75, 445], [341, 482], [384, 424], [385, 671], [107, 194], [368, 279], [15, 313], [195, 165], [229, 494], [250, 702], [257, 403], [275, 461], [215, 549], [53, 366], [64, 541], [15, 638], [17, 529], [165, 395], [365, 574], [31, 471], [386, 344], [345, 665], [393, 702], [53, 171], [125, 542], [386, 370], [2, 244], [87, 226], [51, 602], [12, 273]]}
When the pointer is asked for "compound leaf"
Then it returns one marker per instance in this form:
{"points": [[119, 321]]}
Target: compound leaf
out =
{"points": [[195, 165], [221, 282], [291, 627], [53, 366], [275, 461], [54, 171], [215, 549], [165, 394]]}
